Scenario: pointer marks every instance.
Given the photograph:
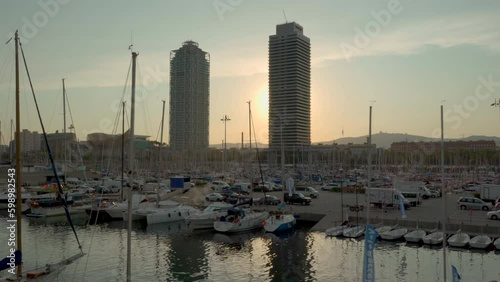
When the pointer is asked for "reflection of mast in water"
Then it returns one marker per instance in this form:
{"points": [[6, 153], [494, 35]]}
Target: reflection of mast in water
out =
{"points": [[185, 261], [290, 259], [403, 265]]}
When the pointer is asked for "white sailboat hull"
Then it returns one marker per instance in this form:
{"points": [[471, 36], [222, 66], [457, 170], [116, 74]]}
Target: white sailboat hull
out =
{"points": [[57, 211], [435, 238], [250, 222], [336, 231], [394, 234], [170, 215], [383, 229], [459, 240], [415, 236], [354, 232], [497, 244], [279, 223], [480, 242]]}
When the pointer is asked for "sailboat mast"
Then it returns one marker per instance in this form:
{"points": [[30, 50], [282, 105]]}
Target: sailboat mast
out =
{"points": [[443, 195], [18, 159], [250, 124], [161, 135], [131, 168], [123, 145], [367, 192], [64, 130]]}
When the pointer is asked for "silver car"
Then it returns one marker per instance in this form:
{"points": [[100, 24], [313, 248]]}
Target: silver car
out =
{"points": [[466, 203]]}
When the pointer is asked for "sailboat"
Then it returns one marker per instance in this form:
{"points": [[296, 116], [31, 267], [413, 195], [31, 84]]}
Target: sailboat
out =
{"points": [[497, 244], [459, 239], [338, 230], [480, 241], [394, 234], [434, 237], [416, 235], [14, 259]]}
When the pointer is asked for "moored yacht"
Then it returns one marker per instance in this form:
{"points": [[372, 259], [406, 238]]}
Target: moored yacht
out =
{"points": [[239, 220], [164, 211], [206, 218]]}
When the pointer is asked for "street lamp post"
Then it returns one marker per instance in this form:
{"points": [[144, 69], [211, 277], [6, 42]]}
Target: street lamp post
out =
{"points": [[225, 119]]}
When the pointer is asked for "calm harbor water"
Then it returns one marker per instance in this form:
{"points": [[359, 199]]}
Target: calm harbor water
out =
{"points": [[173, 252]]}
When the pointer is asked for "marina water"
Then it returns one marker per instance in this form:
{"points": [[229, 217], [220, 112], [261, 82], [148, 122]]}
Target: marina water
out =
{"points": [[173, 252]]}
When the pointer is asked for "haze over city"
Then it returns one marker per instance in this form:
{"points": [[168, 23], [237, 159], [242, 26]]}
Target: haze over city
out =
{"points": [[408, 56]]}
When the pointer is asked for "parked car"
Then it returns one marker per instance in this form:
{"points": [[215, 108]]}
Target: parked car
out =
{"points": [[435, 193], [218, 185], [297, 198], [242, 187], [262, 188], [307, 190], [269, 200], [278, 187], [329, 187], [465, 203], [493, 215], [214, 197]]}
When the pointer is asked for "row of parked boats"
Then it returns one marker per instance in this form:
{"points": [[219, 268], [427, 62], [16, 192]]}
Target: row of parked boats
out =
{"points": [[434, 237]]}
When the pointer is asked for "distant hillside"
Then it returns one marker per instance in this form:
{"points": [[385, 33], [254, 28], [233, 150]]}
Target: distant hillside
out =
{"points": [[237, 145], [384, 140]]}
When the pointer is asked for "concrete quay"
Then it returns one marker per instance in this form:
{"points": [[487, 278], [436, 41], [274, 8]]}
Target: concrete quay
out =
{"points": [[326, 210]]}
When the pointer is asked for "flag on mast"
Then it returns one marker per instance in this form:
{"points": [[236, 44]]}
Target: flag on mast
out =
{"points": [[456, 276], [402, 207], [369, 265]]}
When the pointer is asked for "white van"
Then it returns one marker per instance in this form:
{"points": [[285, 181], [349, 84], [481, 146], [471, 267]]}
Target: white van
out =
{"points": [[413, 186], [219, 185], [244, 187], [307, 191], [414, 198]]}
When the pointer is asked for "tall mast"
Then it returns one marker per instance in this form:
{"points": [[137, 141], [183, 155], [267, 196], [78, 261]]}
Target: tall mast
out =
{"points": [[131, 169], [64, 130], [18, 167], [161, 135], [11, 140], [250, 123], [443, 195], [367, 192], [123, 145]]}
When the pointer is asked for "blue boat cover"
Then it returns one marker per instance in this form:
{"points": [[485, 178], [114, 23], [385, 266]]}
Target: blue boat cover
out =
{"points": [[4, 264]]}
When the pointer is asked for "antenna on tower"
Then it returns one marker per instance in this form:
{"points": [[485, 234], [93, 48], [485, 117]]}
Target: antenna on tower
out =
{"points": [[131, 42], [284, 15]]}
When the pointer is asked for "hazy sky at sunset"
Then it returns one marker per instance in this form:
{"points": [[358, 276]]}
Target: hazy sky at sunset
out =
{"points": [[406, 55]]}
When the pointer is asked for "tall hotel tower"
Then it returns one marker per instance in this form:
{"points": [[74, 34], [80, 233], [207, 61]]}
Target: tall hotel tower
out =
{"points": [[289, 88], [189, 97]]}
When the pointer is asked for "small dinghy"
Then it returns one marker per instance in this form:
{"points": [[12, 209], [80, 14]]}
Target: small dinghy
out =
{"points": [[459, 239], [394, 234], [497, 244], [480, 242], [435, 238], [354, 232]]}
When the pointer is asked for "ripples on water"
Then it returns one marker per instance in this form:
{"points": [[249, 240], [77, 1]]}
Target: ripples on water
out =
{"points": [[173, 252]]}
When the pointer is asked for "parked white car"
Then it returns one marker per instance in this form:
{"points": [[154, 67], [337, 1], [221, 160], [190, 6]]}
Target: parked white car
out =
{"points": [[495, 215], [466, 203], [214, 197], [219, 185], [329, 187]]}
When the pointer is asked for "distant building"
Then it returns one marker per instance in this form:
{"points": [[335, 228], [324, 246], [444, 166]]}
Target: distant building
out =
{"points": [[289, 88], [189, 97], [30, 141], [434, 147], [106, 141]]}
